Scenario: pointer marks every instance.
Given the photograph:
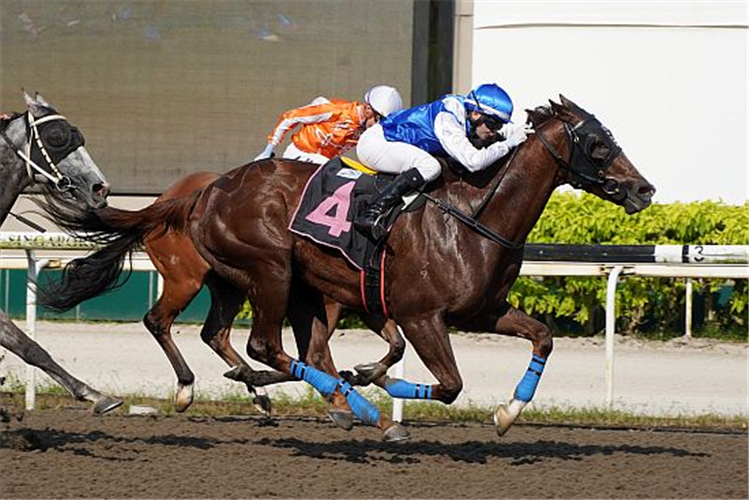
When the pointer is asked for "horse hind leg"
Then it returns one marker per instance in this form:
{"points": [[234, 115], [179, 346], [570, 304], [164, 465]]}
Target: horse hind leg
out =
{"points": [[17, 342], [159, 319]]}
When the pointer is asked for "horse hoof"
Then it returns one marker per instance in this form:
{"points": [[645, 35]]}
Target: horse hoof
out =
{"points": [[348, 377], [262, 404], [343, 419], [106, 404], [183, 397], [369, 372], [239, 373], [503, 419], [395, 432]]}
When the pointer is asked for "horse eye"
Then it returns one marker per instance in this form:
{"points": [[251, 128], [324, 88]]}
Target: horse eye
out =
{"points": [[598, 150], [57, 137]]}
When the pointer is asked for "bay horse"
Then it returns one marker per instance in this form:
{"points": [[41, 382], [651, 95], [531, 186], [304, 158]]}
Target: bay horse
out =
{"points": [[443, 270], [185, 272], [41, 145]]}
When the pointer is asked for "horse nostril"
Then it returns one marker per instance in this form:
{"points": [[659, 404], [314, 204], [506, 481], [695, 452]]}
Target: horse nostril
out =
{"points": [[645, 191], [101, 189]]}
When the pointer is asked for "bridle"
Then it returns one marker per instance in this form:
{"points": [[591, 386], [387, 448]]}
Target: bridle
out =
{"points": [[581, 167], [34, 144]]}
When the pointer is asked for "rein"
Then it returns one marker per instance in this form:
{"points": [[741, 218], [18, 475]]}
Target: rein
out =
{"points": [[60, 181], [472, 220]]}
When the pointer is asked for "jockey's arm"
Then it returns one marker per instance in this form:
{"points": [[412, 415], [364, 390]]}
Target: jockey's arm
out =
{"points": [[449, 127], [300, 116]]}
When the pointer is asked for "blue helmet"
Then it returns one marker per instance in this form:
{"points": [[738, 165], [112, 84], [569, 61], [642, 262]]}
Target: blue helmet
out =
{"points": [[491, 100]]}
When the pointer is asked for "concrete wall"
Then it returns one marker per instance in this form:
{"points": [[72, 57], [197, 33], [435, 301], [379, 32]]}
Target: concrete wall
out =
{"points": [[668, 78]]}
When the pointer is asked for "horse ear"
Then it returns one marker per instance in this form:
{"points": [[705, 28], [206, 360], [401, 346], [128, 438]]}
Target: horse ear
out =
{"points": [[562, 110], [566, 101], [32, 104], [41, 100], [569, 104], [36, 105]]}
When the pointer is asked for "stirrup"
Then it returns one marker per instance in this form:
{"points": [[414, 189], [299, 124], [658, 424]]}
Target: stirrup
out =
{"points": [[376, 229]]}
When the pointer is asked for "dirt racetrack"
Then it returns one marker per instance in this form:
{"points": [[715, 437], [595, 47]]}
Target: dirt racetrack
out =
{"points": [[67, 453]]}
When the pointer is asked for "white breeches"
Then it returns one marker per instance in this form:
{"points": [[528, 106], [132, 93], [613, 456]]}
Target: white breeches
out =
{"points": [[379, 154], [294, 153]]}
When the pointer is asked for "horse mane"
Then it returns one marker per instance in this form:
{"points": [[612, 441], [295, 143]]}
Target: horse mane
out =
{"points": [[539, 115]]}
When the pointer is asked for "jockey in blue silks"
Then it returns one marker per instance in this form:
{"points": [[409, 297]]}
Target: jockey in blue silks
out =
{"points": [[464, 128]]}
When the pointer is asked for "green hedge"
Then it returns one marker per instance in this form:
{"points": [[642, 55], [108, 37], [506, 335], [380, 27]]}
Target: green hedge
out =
{"points": [[644, 305]]}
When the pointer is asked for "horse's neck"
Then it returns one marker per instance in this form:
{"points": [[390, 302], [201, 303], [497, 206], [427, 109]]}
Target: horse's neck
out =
{"points": [[13, 176], [524, 190]]}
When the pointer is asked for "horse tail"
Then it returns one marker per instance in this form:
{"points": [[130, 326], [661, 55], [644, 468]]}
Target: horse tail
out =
{"points": [[118, 232]]}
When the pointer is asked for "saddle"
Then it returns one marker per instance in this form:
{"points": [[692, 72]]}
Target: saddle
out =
{"points": [[333, 196]]}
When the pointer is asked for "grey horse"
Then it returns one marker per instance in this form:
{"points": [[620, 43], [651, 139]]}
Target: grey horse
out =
{"points": [[40, 145]]}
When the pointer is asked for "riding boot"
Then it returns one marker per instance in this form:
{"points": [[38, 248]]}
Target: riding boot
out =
{"points": [[404, 184]]}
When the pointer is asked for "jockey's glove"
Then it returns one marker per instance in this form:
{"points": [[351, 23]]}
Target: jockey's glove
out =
{"points": [[517, 135], [266, 153]]}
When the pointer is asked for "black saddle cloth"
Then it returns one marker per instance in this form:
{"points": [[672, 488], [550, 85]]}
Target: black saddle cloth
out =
{"points": [[334, 195]]}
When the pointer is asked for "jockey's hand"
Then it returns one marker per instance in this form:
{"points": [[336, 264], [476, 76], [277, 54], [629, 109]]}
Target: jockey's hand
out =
{"points": [[266, 153], [517, 134]]}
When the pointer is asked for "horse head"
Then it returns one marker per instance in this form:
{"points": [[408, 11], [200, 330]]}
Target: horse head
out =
{"points": [[57, 152], [589, 157]]}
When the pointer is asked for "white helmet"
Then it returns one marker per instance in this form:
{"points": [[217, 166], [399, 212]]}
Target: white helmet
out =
{"points": [[384, 100]]}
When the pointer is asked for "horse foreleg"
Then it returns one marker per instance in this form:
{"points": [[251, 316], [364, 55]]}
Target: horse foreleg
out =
{"points": [[516, 323], [16, 341], [435, 351], [368, 373]]}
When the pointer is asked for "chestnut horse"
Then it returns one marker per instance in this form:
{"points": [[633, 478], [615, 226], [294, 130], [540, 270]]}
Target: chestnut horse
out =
{"points": [[443, 271], [41, 145]]}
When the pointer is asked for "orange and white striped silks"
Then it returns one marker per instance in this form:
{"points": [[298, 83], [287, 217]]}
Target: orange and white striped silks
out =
{"points": [[329, 128]]}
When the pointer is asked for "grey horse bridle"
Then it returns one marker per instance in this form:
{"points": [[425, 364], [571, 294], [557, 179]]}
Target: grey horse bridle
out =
{"points": [[57, 178]]}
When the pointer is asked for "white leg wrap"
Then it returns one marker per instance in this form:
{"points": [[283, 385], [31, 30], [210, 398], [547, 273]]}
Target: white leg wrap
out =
{"points": [[515, 407]]}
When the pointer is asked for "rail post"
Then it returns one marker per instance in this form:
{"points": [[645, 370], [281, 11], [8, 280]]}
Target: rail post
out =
{"points": [[611, 283], [688, 310], [32, 273]]}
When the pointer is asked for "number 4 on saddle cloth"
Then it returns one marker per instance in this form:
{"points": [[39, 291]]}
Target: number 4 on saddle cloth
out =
{"points": [[333, 196]]}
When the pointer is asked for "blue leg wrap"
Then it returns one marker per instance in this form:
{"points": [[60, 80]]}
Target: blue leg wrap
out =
{"points": [[321, 381], [399, 388], [362, 408], [527, 386], [326, 385]]}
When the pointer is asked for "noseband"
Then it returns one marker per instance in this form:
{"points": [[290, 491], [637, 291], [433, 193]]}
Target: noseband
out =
{"points": [[34, 140], [581, 167]]}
